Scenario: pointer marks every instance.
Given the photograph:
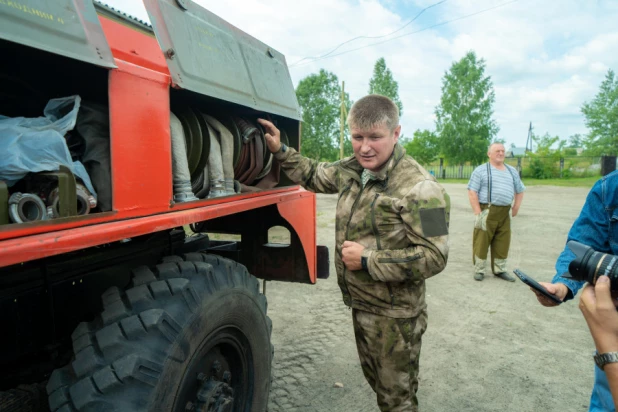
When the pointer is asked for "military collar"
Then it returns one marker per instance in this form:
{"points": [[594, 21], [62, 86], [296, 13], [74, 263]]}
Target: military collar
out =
{"points": [[351, 167], [385, 171]]}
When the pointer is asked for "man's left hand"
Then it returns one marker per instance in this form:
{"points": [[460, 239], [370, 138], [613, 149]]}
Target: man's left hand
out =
{"points": [[514, 212], [599, 310], [351, 255], [272, 135]]}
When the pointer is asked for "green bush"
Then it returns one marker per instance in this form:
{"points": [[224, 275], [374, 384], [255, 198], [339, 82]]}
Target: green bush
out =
{"points": [[543, 168], [567, 173]]}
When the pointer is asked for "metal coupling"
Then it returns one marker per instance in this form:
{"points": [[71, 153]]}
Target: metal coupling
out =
{"points": [[85, 201], [217, 189], [182, 191], [92, 202], [229, 187], [26, 207]]}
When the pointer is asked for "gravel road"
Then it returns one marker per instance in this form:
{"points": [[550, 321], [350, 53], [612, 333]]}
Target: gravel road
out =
{"points": [[489, 345]]}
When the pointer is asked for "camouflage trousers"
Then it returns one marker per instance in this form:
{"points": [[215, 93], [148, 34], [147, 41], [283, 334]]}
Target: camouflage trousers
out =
{"points": [[497, 236], [389, 350]]}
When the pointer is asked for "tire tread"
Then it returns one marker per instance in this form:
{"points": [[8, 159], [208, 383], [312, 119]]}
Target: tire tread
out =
{"points": [[125, 347]]}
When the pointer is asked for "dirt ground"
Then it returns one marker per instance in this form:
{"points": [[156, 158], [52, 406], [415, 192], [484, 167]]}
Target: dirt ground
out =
{"points": [[489, 345]]}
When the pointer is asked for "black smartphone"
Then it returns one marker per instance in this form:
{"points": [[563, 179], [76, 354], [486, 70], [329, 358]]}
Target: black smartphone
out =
{"points": [[535, 285]]}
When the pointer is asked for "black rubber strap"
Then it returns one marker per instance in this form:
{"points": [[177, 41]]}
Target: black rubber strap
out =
{"points": [[488, 184]]}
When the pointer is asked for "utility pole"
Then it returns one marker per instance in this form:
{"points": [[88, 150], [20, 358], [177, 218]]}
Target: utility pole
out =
{"points": [[529, 140], [344, 115]]}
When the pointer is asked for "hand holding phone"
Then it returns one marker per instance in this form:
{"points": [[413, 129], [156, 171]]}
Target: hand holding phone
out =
{"points": [[536, 286]]}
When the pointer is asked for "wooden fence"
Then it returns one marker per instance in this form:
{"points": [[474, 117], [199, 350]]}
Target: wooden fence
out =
{"points": [[530, 167]]}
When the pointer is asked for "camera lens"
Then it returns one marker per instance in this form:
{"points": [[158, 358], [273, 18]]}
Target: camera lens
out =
{"points": [[589, 264]]}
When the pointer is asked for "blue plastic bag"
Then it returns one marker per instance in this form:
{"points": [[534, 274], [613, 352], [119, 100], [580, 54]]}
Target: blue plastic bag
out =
{"points": [[31, 145]]}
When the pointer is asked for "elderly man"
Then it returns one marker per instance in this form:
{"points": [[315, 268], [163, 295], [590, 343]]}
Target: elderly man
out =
{"points": [[391, 235], [491, 190]]}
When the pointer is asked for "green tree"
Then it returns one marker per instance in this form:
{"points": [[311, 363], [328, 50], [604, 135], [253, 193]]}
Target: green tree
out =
{"points": [[404, 140], [545, 143], [423, 147], [382, 83], [464, 121], [319, 96], [544, 162], [576, 141], [602, 118]]}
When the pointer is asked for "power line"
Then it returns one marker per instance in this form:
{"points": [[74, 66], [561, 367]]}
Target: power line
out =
{"points": [[414, 32], [369, 37], [408, 34]]}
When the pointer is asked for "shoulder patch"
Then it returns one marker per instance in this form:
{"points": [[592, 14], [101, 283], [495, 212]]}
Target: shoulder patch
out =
{"points": [[433, 222]]}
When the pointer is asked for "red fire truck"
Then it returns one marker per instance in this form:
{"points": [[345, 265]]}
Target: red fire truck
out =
{"points": [[138, 203]]}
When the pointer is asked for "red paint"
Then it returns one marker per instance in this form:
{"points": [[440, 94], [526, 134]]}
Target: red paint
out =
{"points": [[27, 248], [140, 139], [133, 46], [301, 215], [141, 159]]}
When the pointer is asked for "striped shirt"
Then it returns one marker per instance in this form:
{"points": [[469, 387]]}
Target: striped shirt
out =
{"points": [[504, 184]]}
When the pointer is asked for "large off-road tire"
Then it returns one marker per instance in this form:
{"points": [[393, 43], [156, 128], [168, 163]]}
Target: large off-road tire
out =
{"points": [[190, 334]]}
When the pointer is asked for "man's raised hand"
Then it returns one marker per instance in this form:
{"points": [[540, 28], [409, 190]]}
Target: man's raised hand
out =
{"points": [[272, 135]]}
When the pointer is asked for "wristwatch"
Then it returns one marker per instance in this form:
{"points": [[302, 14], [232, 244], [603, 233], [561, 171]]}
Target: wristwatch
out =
{"points": [[283, 148], [602, 359]]}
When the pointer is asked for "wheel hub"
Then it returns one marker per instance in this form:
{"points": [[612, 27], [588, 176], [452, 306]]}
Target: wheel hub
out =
{"points": [[213, 395]]}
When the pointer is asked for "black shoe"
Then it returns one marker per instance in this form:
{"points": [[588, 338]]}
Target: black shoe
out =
{"points": [[505, 276], [479, 276]]}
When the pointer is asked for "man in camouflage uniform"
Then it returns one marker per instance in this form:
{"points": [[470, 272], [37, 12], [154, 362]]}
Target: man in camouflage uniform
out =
{"points": [[391, 235]]}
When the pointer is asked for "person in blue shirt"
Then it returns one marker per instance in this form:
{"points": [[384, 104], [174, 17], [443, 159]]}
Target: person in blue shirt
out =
{"points": [[599, 309], [597, 227]]}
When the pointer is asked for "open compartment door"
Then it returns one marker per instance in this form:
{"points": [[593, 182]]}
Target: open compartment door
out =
{"points": [[69, 28], [207, 55]]}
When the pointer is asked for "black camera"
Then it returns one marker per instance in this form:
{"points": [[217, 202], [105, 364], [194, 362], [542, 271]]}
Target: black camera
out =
{"points": [[589, 264]]}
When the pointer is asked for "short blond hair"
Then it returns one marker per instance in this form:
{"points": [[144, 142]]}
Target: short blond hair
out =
{"points": [[374, 110]]}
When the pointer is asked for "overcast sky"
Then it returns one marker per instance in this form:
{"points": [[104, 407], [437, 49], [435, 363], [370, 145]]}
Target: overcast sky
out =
{"points": [[545, 58]]}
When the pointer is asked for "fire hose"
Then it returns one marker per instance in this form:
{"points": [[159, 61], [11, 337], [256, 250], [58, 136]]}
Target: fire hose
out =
{"points": [[26, 207]]}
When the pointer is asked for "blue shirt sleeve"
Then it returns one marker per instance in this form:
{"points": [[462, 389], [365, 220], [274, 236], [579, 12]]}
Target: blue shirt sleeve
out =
{"points": [[519, 185], [592, 229], [475, 180]]}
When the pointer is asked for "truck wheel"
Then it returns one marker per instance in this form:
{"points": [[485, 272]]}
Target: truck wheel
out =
{"points": [[190, 334]]}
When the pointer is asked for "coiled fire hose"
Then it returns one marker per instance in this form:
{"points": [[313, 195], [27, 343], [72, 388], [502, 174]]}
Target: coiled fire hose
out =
{"points": [[26, 207]]}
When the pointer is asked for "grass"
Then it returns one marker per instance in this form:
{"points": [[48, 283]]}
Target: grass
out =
{"points": [[571, 182]]}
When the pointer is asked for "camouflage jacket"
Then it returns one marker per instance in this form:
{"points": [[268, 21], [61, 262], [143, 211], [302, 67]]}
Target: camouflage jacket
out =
{"points": [[400, 217]]}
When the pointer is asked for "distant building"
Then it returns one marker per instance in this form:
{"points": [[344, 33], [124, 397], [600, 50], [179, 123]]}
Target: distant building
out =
{"points": [[516, 151]]}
